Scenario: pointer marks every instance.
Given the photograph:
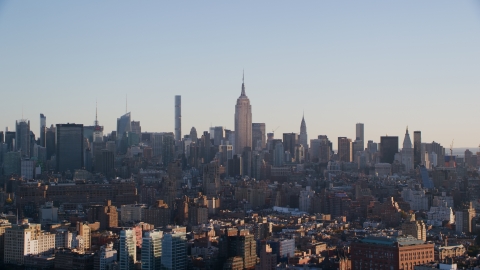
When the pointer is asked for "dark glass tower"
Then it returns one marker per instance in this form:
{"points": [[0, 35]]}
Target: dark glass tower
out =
{"points": [[69, 141], [417, 145], [388, 148]]}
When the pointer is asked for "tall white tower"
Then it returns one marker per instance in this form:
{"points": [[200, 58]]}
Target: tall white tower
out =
{"points": [[243, 122], [178, 118]]}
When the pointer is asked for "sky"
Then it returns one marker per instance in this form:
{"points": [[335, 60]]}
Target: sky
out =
{"points": [[387, 64]]}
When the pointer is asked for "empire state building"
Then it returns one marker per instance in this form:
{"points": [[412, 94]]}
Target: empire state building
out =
{"points": [[243, 122]]}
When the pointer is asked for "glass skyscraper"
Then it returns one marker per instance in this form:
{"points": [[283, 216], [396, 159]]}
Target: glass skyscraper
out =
{"points": [[69, 141]]}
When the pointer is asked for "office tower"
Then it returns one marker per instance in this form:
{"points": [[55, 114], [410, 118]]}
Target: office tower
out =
{"points": [[243, 122], [303, 138], [136, 128], [278, 154], [11, 163], [438, 149], [211, 179], [258, 136], [178, 118], [127, 250], [105, 163], [10, 140], [2, 138], [174, 251], [360, 136], [289, 142], [407, 153], [27, 168], [26, 239], [388, 148], [50, 143], [344, 149], [218, 135], [69, 143], [168, 148], [247, 161], [193, 135], [84, 231], [124, 124], [235, 166], [152, 250], [225, 153], [270, 144], [22, 137], [43, 127], [417, 148]]}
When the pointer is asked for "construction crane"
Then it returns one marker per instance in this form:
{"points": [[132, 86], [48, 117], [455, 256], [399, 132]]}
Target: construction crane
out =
{"points": [[273, 131]]}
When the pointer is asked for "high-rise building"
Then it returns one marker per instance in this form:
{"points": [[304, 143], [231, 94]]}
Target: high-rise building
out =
{"points": [[2, 139], [464, 219], [258, 136], [243, 122], [127, 250], [218, 135], [159, 215], [10, 140], [417, 148], [152, 250], [136, 128], [344, 149], [359, 131], [174, 251], [124, 124], [69, 144], [278, 154], [415, 228], [193, 135], [43, 127], [50, 141], [178, 118], [388, 148], [289, 142], [407, 153], [22, 137], [211, 179], [303, 138], [105, 163], [107, 258]]}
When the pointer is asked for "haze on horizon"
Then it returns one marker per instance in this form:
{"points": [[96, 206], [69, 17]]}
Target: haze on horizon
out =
{"points": [[385, 64]]}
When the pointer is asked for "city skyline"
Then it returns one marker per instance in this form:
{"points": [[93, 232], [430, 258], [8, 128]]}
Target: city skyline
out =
{"points": [[362, 63]]}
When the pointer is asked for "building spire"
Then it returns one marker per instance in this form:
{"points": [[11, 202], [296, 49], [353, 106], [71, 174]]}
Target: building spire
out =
{"points": [[96, 113], [243, 85]]}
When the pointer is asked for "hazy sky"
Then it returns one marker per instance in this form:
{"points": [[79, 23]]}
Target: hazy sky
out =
{"points": [[387, 64]]}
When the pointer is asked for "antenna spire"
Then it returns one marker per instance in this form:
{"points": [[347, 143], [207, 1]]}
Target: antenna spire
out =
{"points": [[126, 103]]}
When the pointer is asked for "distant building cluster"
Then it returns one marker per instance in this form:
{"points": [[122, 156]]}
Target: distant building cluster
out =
{"points": [[77, 197]]}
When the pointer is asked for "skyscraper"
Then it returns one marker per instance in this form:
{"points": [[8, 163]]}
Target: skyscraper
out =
{"points": [[152, 250], [124, 124], [289, 142], [388, 148], [211, 179], [243, 122], [178, 118], [174, 251], [407, 152], [43, 127], [344, 149], [50, 134], [303, 138], [258, 136], [69, 144], [22, 137], [417, 148], [127, 250], [359, 132]]}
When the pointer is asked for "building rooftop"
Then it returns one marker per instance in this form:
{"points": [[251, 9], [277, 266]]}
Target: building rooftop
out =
{"points": [[390, 241]]}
